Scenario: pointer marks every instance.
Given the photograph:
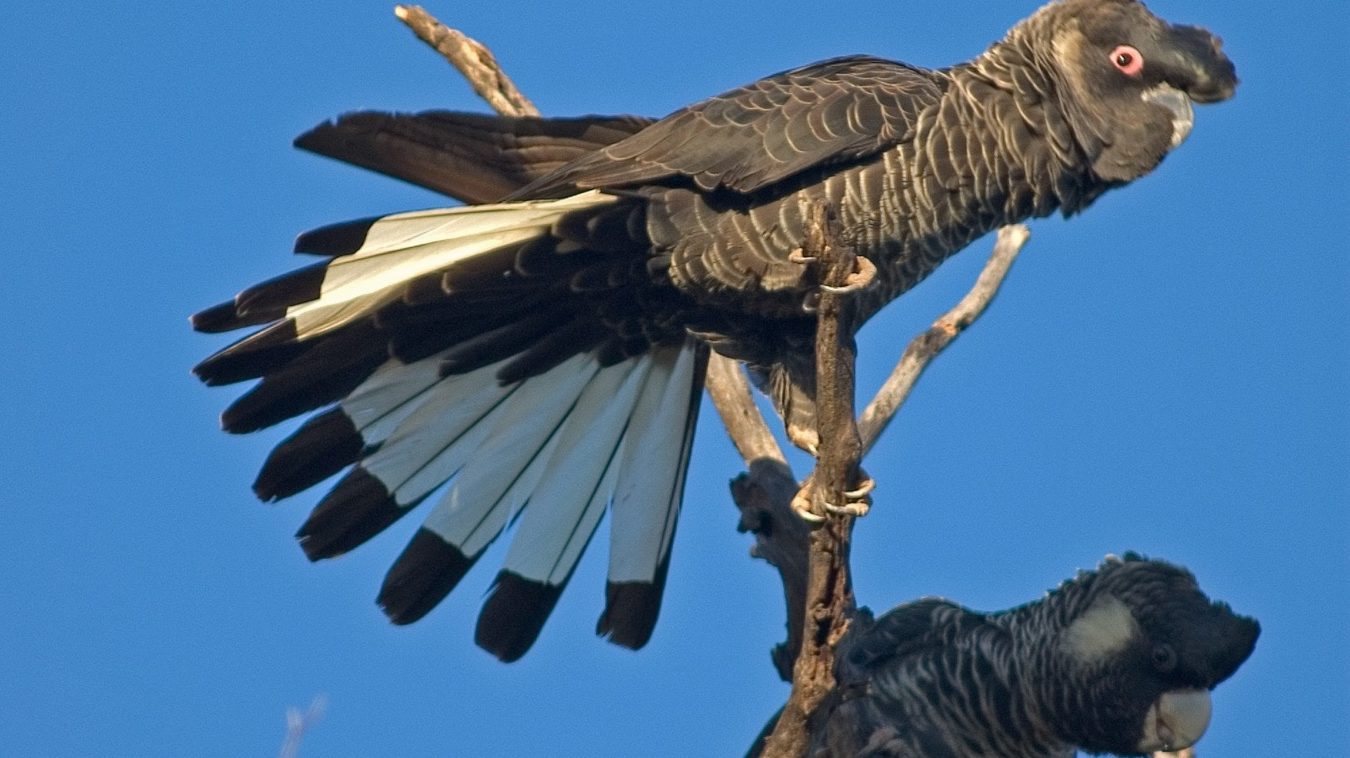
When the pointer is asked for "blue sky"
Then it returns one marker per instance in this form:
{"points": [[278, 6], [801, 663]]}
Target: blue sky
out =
{"points": [[1167, 373]]}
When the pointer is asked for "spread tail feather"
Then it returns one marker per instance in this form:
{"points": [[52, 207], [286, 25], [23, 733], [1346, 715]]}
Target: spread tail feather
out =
{"points": [[568, 443], [496, 348], [395, 253]]}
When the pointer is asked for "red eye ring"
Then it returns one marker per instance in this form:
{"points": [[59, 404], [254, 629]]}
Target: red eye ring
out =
{"points": [[1128, 60]]}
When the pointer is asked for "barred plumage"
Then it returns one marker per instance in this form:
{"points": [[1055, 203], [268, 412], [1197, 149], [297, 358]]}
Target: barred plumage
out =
{"points": [[629, 239], [1117, 660]]}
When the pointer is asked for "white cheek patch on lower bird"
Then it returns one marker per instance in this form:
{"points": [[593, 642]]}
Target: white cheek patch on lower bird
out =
{"points": [[1176, 721], [1176, 101], [1105, 629]]}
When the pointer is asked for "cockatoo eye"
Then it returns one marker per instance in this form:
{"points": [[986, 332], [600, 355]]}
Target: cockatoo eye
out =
{"points": [[1127, 60], [1164, 657]]}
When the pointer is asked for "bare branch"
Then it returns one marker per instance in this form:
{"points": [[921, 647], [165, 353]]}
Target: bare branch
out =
{"points": [[836, 354], [829, 605], [473, 60], [764, 496], [923, 348], [730, 393]]}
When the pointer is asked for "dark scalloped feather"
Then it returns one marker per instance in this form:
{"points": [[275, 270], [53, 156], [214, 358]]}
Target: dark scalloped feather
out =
{"points": [[514, 337], [749, 138], [253, 356], [291, 288], [225, 317], [536, 262], [420, 332], [581, 335], [902, 631]]}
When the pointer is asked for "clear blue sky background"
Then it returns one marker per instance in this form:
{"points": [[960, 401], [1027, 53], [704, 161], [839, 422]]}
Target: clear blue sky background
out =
{"points": [[1167, 374]]}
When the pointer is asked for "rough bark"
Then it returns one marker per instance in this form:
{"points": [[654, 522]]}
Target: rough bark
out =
{"points": [[829, 605]]}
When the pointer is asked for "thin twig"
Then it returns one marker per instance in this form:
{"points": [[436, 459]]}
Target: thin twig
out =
{"points": [[923, 348], [473, 60]]}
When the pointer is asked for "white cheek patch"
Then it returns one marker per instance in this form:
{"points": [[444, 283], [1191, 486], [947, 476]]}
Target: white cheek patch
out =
{"points": [[1106, 628], [1176, 101]]}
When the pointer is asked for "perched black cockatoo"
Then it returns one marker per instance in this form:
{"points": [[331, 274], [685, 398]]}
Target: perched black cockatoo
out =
{"points": [[544, 352], [1118, 660]]}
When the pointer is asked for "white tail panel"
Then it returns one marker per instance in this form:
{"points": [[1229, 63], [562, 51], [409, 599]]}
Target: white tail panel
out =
{"points": [[651, 472]]}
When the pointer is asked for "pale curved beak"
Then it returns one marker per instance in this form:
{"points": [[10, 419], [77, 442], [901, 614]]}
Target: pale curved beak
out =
{"points": [[1176, 721], [1176, 101]]}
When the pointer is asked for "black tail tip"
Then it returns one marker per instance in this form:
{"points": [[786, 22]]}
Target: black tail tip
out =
{"points": [[357, 508], [428, 569], [218, 318], [513, 615], [631, 609], [342, 238]]}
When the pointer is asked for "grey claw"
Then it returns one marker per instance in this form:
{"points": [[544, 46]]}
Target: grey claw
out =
{"points": [[802, 507], [864, 271], [863, 489], [856, 509]]}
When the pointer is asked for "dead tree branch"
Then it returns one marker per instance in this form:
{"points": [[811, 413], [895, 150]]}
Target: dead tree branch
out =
{"points": [[472, 58], [764, 495], [923, 348], [829, 604], [749, 432]]}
